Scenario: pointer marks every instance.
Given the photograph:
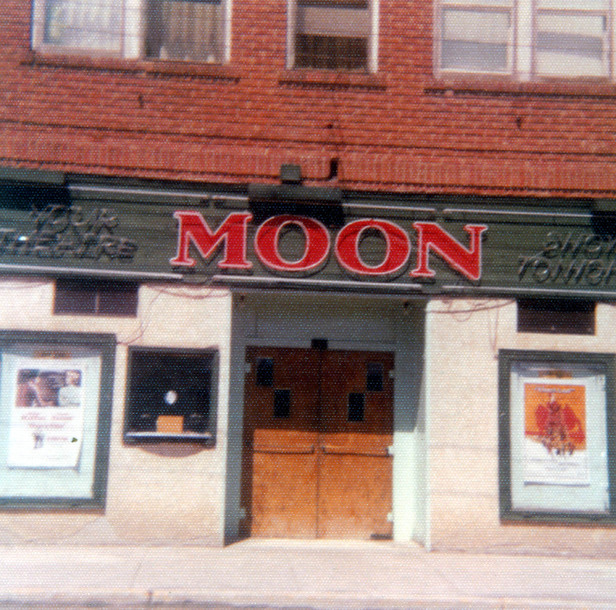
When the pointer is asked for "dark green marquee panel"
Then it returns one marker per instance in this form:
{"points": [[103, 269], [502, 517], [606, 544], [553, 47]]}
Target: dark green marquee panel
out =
{"points": [[405, 245]]}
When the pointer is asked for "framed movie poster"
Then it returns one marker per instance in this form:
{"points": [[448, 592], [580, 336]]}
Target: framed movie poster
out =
{"points": [[55, 408], [46, 429], [555, 429], [554, 438]]}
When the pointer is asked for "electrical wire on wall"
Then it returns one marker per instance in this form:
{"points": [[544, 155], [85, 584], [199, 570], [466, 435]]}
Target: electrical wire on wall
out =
{"points": [[182, 292], [463, 315], [471, 310]]}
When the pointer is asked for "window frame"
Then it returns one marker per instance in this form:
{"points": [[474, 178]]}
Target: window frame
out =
{"points": [[524, 35], [97, 287], [609, 38], [207, 438], [510, 5], [372, 40], [132, 37], [534, 316], [510, 496]]}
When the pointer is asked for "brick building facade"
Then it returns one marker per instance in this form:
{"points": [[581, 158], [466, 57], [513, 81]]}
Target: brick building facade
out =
{"points": [[422, 194]]}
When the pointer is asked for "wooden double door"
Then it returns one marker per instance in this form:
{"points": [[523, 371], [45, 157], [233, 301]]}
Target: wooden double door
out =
{"points": [[317, 430]]}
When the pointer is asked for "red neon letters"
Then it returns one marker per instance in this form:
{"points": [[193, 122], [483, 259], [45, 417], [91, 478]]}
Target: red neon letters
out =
{"points": [[349, 238], [316, 247], [232, 235], [193, 228]]}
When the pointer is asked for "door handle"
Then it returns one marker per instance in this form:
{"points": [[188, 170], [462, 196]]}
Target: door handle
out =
{"points": [[287, 449], [368, 452]]}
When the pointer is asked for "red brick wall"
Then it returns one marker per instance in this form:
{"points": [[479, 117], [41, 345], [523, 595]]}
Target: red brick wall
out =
{"points": [[400, 129]]}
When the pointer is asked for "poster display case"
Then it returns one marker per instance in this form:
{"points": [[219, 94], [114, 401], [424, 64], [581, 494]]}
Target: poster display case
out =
{"points": [[556, 447], [55, 413]]}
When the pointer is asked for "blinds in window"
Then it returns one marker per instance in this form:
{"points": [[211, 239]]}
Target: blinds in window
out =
{"points": [[344, 19], [573, 39]]}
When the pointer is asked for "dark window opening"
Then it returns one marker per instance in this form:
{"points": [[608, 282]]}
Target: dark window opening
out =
{"points": [[356, 407], [331, 52], [170, 393], [282, 403], [96, 297], [566, 316], [332, 34], [265, 372], [374, 377], [319, 344]]}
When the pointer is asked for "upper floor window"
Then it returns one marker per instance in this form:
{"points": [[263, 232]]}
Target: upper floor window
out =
{"points": [[187, 30], [332, 34], [96, 297], [561, 316], [526, 38]]}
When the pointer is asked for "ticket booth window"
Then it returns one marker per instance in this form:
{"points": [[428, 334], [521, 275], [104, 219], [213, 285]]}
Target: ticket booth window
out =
{"points": [[170, 395]]}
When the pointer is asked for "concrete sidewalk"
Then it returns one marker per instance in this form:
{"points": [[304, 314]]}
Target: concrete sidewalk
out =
{"points": [[288, 574]]}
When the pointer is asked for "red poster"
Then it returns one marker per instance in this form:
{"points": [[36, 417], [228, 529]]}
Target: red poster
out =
{"points": [[555, 433]]}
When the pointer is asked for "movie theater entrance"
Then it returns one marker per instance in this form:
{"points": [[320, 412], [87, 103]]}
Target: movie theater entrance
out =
{"points": [[318, 428]]}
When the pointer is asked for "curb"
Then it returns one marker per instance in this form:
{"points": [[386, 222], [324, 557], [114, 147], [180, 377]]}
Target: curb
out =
{"points": [[164, 598]]}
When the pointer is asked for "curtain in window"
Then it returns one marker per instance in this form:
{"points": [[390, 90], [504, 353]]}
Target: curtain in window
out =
{"points": [[84, 24], [185, 29]]}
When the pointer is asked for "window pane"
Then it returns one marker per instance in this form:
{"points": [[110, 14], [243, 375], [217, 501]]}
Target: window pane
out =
{"points": [[84, 24], [169, 390], [474, 39], [327, 21], [332, 35], [571, 44], [579, 5], [93, 297], [265, 372], [374, 377], [75, 297], [117, 298], [556, 316], [282, 403], [185, 30], [356, 407]]}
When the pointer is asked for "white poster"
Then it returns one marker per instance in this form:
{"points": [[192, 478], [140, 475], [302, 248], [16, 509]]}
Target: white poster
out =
{"points": [[47, 414]]}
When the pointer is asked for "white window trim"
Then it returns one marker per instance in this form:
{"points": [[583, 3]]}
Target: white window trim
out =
{"points": [[373, 39], [462, 4], [575, 10], [133, 37], [38, 34], [523, 60]]}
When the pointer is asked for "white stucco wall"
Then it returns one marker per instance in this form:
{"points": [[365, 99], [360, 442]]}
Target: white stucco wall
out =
{"points": [[156, 493], [462, 342]]}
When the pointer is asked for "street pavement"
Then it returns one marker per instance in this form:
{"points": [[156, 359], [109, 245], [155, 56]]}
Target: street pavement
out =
{"points": [[299, 575]]}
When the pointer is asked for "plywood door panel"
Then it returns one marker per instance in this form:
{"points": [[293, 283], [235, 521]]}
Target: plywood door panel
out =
{"points": [[355, 470], [279, 477], [311, 472]]}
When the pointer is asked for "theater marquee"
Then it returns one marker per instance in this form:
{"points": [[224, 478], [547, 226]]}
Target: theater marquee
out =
{"points": [[316, 245], [398, 245]]}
